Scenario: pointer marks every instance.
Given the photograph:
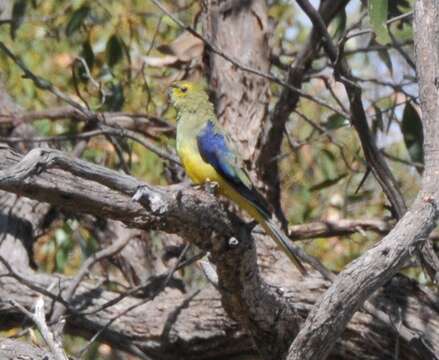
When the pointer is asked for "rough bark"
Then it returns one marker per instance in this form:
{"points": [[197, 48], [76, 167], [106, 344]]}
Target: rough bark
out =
{"points": [[15, 349], [173, 324], [136, 260], [241, 27], [194, 215], [338, 227]]}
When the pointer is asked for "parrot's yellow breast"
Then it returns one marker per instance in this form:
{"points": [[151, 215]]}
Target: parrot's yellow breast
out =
{"points": [[196, 168]]}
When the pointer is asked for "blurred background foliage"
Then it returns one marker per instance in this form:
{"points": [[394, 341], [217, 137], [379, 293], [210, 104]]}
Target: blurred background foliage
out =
{"points": [[120, 56]]}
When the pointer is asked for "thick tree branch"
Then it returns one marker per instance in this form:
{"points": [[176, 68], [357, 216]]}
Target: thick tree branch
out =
{"points": [[365, 275], [106, 193], [196, 216], [143, 123]]}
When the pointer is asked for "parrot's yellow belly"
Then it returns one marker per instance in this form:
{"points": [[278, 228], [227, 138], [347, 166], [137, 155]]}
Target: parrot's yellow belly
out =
{"points": [[196, 168]]}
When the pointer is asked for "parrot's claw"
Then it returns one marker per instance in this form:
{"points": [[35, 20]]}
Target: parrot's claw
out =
{"points": [[252, 224], [212, 187]]}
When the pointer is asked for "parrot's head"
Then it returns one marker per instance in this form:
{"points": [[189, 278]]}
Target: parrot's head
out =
{"points": [[186, 95]]}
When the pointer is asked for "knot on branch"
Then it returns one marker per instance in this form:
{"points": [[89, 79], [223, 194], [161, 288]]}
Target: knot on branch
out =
{"points": [[233, 242], [151, 199]]}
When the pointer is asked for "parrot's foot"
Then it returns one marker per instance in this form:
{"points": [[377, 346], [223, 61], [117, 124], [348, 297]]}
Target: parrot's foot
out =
{"points": [[212, 187], [252, 224]]}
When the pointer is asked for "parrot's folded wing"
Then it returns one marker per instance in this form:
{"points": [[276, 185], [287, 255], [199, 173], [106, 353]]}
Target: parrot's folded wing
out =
{"points": [[217, 150]]}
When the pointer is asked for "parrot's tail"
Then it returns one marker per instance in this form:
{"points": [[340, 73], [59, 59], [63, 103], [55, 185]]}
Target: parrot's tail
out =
{"points": [[283, 242], [257, 210]]}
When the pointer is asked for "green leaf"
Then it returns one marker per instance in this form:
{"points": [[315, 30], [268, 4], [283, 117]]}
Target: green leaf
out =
{"points": [[80, 69], [18, 13], [378, 10], [403, 33], [88, 54], [411, 128], [377, 123], [115, 98], [397, 8], [79, 72], [77, 19], [336, 121], [62, 257], [114, 50]]}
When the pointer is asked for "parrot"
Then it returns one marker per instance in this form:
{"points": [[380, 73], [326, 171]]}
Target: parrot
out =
{"points": [[208, 155]]}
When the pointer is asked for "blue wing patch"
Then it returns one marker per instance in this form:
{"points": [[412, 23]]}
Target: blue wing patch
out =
{"points": [[215, 150]]}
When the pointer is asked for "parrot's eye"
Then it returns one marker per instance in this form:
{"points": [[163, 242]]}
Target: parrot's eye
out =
{"points": [[183, 89]]}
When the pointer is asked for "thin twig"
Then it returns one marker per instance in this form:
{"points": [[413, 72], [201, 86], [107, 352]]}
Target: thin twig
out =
{"points": [[39, 318], [104, 130], [83, 351], [343, 73], [40, 82], [30, 284], [59, 309]]}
